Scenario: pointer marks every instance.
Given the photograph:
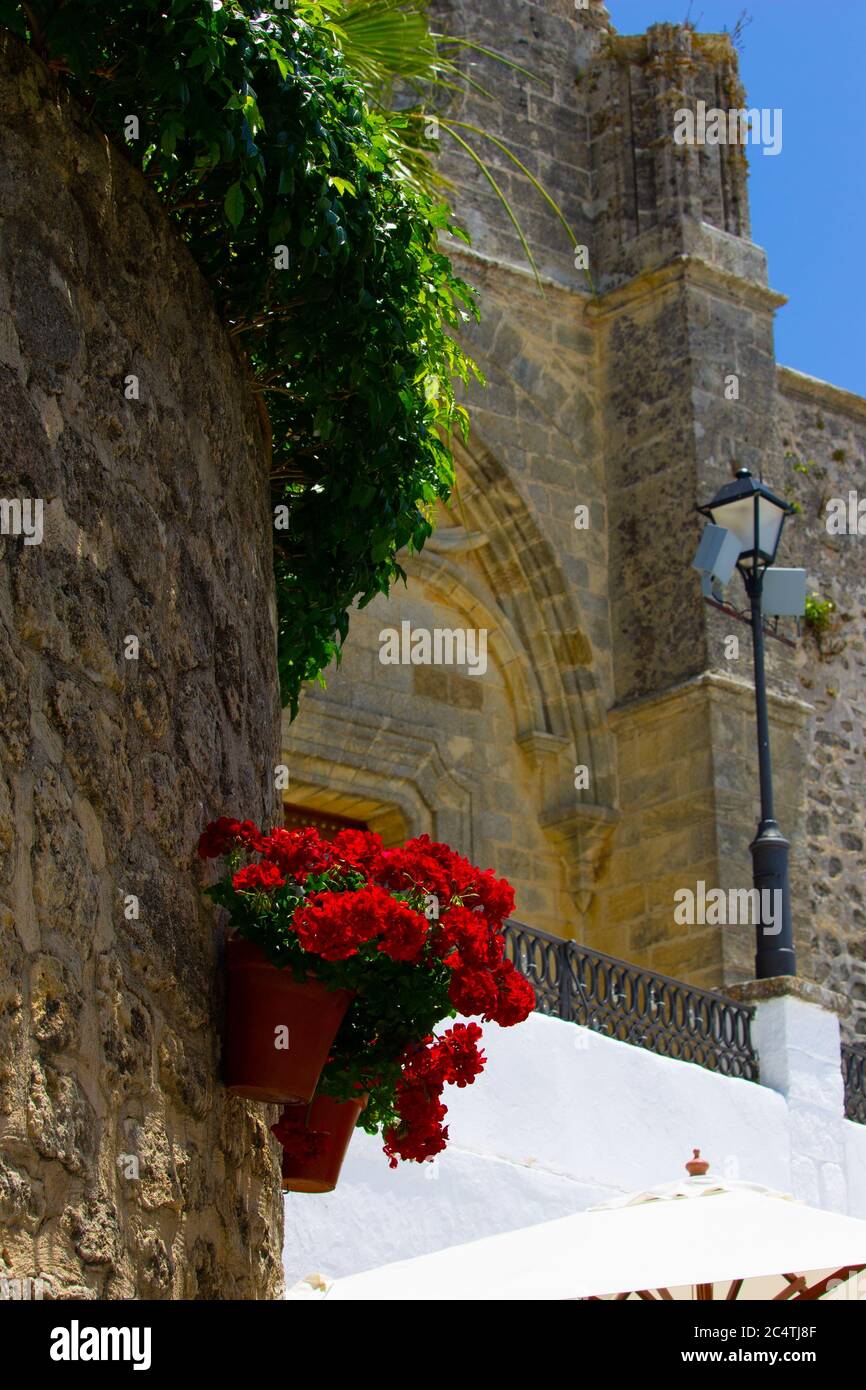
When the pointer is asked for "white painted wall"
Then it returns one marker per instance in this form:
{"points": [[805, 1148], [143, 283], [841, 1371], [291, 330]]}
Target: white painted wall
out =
{"points": [[799, 1047], [563, 1117], [855, 1166]]}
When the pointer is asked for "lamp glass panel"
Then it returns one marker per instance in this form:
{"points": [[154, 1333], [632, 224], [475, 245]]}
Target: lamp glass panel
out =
{"points": [[739, 517]]}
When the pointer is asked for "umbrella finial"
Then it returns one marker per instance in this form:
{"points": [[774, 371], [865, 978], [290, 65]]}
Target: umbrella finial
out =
{"points": [[697, 1166]]}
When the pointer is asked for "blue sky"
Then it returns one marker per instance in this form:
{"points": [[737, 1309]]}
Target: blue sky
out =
{"points": [[807, 202]]}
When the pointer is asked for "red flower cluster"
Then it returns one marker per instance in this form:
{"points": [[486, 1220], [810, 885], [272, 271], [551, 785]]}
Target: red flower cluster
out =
{"points": [[360, 849], [421, 865], [501, 995], [458, 1055], [495, 895], [515, 996], [454, 1058], [257, 878], [297, 853], [300, 1143], [225, 834], [434, 868], [334, 925], [471, 936]]}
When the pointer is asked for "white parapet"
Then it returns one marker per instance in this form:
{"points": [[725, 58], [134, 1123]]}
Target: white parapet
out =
{"points": [[797, 1038]]}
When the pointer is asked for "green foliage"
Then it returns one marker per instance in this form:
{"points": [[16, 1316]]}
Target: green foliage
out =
{"points": [[819, 613], [256, 137]]}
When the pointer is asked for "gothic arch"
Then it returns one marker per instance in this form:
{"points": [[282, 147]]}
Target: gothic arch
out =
{"points": [[555, 642]]}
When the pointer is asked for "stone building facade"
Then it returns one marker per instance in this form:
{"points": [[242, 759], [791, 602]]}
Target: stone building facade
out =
{"points": [[126, 1170], [606, 757], [603, 757]]}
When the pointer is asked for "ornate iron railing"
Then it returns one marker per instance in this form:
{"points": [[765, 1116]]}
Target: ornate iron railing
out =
{"points": [[634, 1005], [854, 1076]]}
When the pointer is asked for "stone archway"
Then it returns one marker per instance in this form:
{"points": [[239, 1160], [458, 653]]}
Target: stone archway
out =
{"points": [[486, 764]]}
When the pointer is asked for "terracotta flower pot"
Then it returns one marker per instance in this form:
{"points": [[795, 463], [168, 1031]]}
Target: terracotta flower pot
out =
{"points": [[278, 1031], [328, 1124]]}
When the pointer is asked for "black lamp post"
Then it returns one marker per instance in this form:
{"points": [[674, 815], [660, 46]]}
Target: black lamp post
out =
{"points": [[755, 516]]}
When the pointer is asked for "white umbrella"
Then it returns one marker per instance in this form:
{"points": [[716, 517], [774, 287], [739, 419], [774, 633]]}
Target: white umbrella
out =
{"points": [[700, 1238]]}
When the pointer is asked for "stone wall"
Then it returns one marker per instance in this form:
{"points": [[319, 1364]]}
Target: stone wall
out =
{"points": [[544, 121], [820, 445], [125, 1169]]}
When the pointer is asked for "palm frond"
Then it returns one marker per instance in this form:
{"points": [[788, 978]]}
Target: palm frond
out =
{"points": [[404, 66]]}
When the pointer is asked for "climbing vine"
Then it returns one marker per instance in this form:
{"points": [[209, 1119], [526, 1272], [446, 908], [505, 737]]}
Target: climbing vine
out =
{"points": [[324, 264]]}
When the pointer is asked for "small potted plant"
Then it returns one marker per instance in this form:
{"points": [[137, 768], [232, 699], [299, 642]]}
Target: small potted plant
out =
{"points": [[351, 954]]}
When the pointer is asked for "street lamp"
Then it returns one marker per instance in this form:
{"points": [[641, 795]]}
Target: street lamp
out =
{"points": [[754, 517]]}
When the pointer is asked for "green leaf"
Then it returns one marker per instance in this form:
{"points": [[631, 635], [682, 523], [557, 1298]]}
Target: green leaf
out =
{"points": [[342, 185], [233, 204]]}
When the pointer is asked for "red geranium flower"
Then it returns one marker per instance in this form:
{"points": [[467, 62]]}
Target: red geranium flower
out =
{"points": [[468, 933], [515, 996], [473, 991], [420, 1134], [403, 931], [411, 867], [250, 837], [226, 834], [258, 878], [328, 927], [455, 1058], [455, 874], [298, 853], [496, 896], [334, 925], [459, 1056], [218, 838], [360, 849]]}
